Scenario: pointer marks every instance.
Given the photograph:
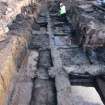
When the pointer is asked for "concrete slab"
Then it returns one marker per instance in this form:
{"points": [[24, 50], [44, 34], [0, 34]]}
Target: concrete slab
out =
{"points": [[81, 95], [42, 19]]}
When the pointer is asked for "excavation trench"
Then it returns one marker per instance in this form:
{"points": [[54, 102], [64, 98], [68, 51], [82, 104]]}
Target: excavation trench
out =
{"points": [[44, 91], [74, 81], [33, 83]]}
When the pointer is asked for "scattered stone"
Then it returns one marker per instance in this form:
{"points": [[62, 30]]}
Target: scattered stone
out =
{"points": [[40, 41]]}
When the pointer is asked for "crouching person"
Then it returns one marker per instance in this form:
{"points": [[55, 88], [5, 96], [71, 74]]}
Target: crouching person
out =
{"points": [[63, 13]]}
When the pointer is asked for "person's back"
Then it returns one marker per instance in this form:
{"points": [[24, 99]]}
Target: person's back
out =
{"points": [[62, 9], [63, 13]]}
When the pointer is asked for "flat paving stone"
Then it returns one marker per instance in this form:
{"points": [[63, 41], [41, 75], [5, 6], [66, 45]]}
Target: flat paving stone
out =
{"points": [[61, 34], [60, 29], [42, 19], [61, 40], [73, 56], [40, 41], [81, 95], [64, 42], [58, 24]]}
